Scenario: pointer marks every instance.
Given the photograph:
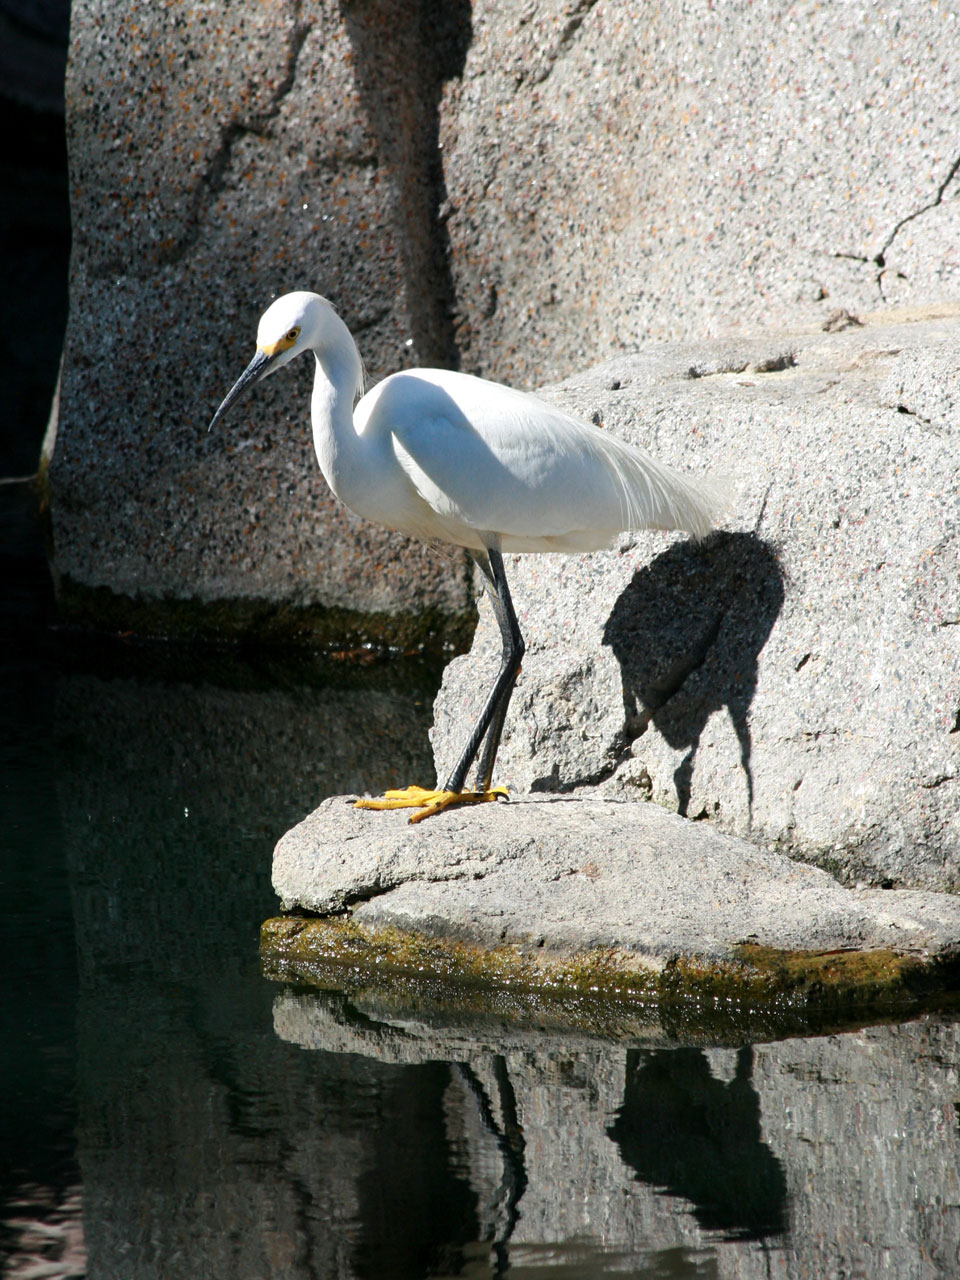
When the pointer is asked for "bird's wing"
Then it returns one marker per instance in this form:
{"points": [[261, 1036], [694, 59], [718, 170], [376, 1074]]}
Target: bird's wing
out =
{"points": [[498, 460]]}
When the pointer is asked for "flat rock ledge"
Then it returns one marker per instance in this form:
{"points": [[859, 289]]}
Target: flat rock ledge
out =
{"points": [[596, 896]]}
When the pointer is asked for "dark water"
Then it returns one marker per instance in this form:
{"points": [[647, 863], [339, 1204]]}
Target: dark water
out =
{"points": [[167, 1111]]}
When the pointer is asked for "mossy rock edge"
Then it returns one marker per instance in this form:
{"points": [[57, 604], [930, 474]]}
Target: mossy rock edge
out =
{"points": [[260, 622], [758, 992]]}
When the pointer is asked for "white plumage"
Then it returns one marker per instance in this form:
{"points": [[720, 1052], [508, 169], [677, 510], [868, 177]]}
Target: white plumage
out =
{"points": [[482, 458], [449, 457]]}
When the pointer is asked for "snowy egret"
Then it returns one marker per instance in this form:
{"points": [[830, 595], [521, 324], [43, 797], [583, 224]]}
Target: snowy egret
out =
{"points": [[453, 458]]}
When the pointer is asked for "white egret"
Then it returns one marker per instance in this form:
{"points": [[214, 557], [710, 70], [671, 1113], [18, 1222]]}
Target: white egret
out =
{"points": [[449, 457]]}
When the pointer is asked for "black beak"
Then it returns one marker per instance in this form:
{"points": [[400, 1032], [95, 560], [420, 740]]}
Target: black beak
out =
{"points": [[258, 368]]}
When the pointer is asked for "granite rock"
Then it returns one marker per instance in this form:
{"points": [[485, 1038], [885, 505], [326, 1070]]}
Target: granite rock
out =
{"points": [[218, 157], [794, 678], [567, 877], [521, 189], [621, 172]]}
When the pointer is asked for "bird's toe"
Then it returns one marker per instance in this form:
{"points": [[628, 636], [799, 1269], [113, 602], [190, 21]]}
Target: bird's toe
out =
{"points": [[428, 802]]}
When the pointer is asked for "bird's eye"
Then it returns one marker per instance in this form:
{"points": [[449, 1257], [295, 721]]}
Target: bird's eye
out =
{"points": [[293, 334]]}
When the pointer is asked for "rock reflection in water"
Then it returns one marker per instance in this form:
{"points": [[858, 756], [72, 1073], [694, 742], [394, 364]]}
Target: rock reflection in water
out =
{"points": [[228, 1129], [835, 1155]]}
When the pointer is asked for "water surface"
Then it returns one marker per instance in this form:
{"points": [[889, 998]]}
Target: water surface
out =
{"points": [[167, 1111]]}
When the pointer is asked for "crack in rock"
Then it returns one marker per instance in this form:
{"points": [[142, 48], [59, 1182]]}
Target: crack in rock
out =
{"points": [[553, 783], [574, 22], [768, 364], [774, 364], [879, 259], [912, 413], [551, 55], [213, 180], [348, 899], [840, 319]]}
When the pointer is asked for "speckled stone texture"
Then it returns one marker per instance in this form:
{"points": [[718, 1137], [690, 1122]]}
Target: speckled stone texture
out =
{"points": [[523, 188], [570, 877], [620, 171], [796, 678], [220, 155]]}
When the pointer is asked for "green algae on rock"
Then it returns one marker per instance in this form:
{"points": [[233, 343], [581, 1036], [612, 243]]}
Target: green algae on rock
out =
{"points": [[763, 992]]}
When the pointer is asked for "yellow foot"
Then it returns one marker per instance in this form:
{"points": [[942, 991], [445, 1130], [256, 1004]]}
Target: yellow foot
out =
{"points": [[429, 802]]}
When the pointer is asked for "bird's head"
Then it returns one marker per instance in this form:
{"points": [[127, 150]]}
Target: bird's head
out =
{"points": [[291, 325]]}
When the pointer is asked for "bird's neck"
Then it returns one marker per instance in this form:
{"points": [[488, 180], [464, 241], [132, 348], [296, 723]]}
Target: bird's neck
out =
{"points": [[335, 387]]}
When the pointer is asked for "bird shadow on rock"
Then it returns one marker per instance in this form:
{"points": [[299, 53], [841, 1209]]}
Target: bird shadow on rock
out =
{"points": [[687, 632], [689, 1134]]}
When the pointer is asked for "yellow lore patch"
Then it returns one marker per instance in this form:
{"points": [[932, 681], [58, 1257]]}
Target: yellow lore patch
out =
{"points": [[282, 344]]}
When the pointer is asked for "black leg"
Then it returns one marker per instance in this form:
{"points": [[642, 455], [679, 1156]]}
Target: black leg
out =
{"points": [[490, 721], [484, 776]]}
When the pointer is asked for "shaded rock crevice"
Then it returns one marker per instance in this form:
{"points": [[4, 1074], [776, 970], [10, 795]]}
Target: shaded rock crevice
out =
{"points": [[777, 363], [401, 98]]}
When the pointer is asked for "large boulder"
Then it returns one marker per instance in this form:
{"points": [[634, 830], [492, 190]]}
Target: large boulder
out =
{"points": [[588, 881], [794, 678], [220, 155], [616, 172], [520, 188]]}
